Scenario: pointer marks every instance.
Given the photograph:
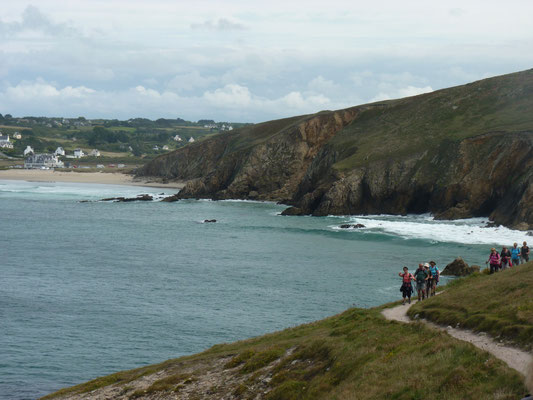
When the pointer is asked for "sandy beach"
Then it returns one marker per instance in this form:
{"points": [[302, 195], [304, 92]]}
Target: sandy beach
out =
{"points": [[109, 178]]}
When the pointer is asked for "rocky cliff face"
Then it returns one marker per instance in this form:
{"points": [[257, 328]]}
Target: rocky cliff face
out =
{"points": [[258, 166], [489, 175], [459, 152]]}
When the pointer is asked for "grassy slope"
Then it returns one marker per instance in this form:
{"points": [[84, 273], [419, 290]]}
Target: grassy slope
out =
{"points": [[500, 304], [354, 355], [415, 124]]}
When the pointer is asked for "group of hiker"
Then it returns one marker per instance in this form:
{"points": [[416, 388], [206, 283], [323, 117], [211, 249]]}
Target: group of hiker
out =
{"points": [[426, 277], [507, 258]]}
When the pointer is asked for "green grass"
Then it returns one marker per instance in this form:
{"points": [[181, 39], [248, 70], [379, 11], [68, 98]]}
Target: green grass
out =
{"points": [[499, 304], [394, 129], [355, 355]]}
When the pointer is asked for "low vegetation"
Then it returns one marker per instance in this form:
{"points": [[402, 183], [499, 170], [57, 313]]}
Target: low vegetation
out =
{"points": [[500, 305], [354, 355]]}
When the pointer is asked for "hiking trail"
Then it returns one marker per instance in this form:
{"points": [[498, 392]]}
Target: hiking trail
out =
{"points": [[515, 358]]}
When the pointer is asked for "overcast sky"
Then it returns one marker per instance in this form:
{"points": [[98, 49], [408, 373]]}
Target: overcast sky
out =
{"points": [[247, 61]]}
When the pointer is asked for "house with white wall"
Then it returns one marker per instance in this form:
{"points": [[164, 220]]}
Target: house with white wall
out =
{"points": [[28, 150], [39, 161], [5, 142], [78, 153]]}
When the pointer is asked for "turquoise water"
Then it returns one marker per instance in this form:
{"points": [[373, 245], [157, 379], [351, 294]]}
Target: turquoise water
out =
{"points": [[88, 289]]}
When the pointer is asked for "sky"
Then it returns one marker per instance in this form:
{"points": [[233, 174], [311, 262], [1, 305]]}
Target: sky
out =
{"points": [[247, 61]]}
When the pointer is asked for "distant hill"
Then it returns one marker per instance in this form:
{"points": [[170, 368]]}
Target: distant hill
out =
{"points": [[458, 152]]}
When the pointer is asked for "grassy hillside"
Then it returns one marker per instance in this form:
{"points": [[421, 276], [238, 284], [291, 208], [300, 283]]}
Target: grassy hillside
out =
{"points": [[419, 123], [354, 355], [499, 304]]}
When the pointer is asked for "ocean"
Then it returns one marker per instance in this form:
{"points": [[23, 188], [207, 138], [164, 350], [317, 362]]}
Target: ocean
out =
{"points": [[91, 288]]}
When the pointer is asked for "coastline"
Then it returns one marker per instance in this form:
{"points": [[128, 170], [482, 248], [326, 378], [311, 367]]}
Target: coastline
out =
{"points": [[108, 178]]}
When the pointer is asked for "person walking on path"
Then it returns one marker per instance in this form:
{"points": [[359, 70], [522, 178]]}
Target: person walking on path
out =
{"points": [[505, 256], [494, 260], [524, 251], [406, 288], [515, 254], [434, 274], [428, 280], [421, 277]]}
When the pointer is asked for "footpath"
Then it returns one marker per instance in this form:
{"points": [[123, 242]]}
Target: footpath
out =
{"points": [[515, 358]]}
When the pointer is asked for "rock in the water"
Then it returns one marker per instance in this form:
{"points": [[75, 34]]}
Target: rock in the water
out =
{"points": [[352, 226], [140, 197], [530, 233], [171, 199], [292, 211], [210, 220], [459, 267]]}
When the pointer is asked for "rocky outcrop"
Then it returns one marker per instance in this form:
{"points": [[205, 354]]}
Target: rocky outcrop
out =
{"points": [[459, 267], [457, 153], [140, 197], [351, 226]]}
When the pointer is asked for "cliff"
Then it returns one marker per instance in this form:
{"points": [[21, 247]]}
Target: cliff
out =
{"points": [[458, 152]]}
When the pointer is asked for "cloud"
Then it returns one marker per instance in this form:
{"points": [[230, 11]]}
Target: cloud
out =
{"points": [[322, 85], [190, 81], [231, 95], [44, 91], [220, 24], [232, 102], [402, 92], [193, 59], [34, 20]]}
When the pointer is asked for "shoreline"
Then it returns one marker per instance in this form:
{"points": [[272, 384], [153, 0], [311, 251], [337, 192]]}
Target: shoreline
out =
{"points": [[105, 178]]}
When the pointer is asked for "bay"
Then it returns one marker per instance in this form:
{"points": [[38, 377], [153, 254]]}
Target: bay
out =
{"points": [[88, 289]]}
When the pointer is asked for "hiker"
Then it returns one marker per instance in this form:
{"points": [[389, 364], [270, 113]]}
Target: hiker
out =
{"points": [[421, 277], [428, 281], [406, 288], [494, 261], [524, 251], [434, 275], [505, 258], [515, 254]]}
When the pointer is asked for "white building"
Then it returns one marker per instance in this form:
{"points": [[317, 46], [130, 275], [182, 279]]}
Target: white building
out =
{"points": [[28, 150], [17, 135], [165, 147], [4, 142], [78, 153], [178, 138], [42, 161], [191, 140], [156, 147], [59, 151], [94, 153]]}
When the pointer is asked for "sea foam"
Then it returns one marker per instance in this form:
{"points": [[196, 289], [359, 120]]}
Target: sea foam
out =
{"points": [[425, 227]]}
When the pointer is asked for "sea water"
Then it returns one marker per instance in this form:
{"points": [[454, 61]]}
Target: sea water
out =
{"points": [[91, 288]]}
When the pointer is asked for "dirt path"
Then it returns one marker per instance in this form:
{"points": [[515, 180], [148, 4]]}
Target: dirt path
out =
{"points": [[513, 357]]}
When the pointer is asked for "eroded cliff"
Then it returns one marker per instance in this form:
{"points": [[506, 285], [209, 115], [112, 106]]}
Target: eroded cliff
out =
{"points": [[458, 152]]}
